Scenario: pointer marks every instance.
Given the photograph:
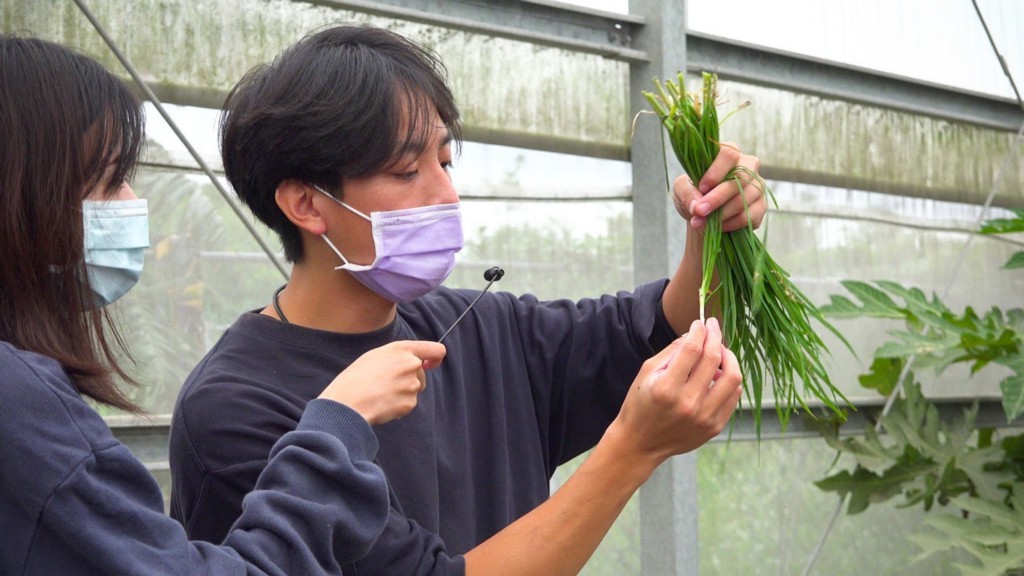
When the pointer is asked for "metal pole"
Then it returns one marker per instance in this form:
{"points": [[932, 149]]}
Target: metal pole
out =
{"points": [[668, 501]]}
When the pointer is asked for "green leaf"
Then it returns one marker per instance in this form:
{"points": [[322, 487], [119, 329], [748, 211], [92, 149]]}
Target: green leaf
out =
{"points": [[1004, 225], [1013, 387], [997, 511], [1015, 320], [1015, 261], [997, 549], [1013, 396], [918, 345], [841, 307], [865, 487], [869, 451], [985, 437], [1013, 446], [876, 302], [931, 542], [897, 289], [981, 466], [883, 376], [992, 343]]}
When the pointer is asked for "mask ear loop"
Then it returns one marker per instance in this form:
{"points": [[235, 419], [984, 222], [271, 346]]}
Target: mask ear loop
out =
{"points": [[336, 251], [350, 209], [328, 240]]}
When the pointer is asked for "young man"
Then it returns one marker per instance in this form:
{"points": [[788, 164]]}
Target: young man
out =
{"points": [[342, 146]]}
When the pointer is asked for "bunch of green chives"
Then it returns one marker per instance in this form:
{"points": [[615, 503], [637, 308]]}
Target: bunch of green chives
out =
{"points": [[765, 318]]}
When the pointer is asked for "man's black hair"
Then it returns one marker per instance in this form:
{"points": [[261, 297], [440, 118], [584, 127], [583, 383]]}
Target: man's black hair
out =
{"points": [[344, 102]]}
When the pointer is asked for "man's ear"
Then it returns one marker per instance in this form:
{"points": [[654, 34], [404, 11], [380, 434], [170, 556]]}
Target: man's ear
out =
{"points": [[297, 200]]}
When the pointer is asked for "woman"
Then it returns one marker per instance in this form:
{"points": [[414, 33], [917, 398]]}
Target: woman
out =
{"points": [[72, 232]]}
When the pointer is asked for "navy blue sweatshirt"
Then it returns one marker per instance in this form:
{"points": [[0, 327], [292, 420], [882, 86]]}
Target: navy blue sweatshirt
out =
{"points": [[525, 386], [73, 500]]}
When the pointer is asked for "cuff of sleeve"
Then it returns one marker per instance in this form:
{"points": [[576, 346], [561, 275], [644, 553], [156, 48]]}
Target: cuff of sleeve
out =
{"points": [[346, 424]]}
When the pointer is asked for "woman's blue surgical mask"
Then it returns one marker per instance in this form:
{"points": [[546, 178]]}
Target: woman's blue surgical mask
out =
{"points": [[116, 236], [415, 250]]}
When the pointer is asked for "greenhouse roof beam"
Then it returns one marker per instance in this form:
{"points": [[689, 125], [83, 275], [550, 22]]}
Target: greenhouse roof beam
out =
{"points": [[541, 22], [807, 75], [556, 24]]}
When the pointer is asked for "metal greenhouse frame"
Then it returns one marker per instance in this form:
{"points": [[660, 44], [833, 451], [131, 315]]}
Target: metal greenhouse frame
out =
{"points": [[650, 41]]}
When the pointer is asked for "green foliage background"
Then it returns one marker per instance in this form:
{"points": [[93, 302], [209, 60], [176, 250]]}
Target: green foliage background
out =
{"points": [[975, 475]]}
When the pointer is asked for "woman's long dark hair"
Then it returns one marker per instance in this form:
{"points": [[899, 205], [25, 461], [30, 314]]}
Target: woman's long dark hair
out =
{"points": [[64, 119]]}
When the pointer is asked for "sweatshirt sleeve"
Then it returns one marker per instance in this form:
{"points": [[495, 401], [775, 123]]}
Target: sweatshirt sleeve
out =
{"points": [[90, 507], [321, 502], [407, 548]]}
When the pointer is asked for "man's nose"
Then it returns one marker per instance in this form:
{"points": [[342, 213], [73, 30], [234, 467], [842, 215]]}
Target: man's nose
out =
{"points": [[446, 193]]}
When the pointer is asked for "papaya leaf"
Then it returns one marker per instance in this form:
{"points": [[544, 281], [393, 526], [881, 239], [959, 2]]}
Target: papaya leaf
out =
{"points": [[916, 422], [898, 289], [1004, 225], [869, 451], [996, 511], [884, 375], [1013, 446], [982, 348], [1013, 386], [982, 467], [985, 436], [931, 542], [926, 460], [841, 307], [1015, 261], [918, 345], [876, 302], [865, 487], [1015, 320], [929, 315], [996, 548]]}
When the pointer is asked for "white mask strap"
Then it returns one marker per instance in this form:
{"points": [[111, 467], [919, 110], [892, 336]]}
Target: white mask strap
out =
{"points": [[336, 251], [351, 209]]}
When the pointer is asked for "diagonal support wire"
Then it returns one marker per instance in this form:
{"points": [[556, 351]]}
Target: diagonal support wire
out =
{"points": [[961, 258], [181, 136]]}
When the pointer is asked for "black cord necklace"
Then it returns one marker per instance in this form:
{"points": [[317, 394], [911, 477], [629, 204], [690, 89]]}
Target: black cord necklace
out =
{"points": [[277, 305]]}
